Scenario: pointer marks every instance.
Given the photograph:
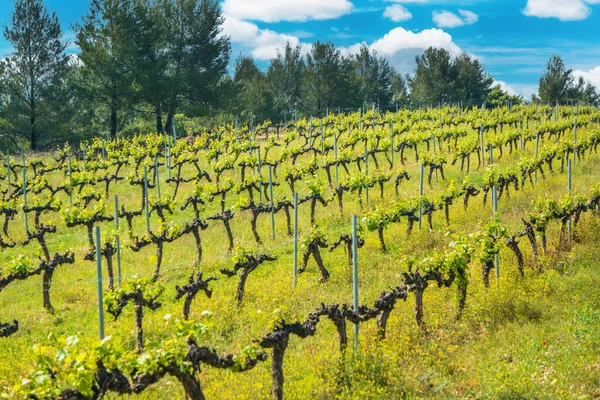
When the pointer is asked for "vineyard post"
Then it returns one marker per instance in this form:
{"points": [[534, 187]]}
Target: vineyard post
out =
{"points": [[70, 178], [235, 128], [335, 157], [575, 133], [25, 190], [8, 169], [83, 154], [521, 134], [396, 108], [284, 120], [259, 163], [99, 276], [392, 139], [355, 275], [537, 152], [169, 159], [295, 239], [103, 151], [495, 209], [174, 132], [146, 199], [360, 121], [367, 170], [434, 152], [373, 120], [421, 194], [117, 239], [310, 128], [570, 187], [323, 136], [272, 204], [156, 176], [481, 134]]}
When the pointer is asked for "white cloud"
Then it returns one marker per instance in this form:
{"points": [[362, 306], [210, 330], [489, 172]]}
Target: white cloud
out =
{"points": [[286, 10], [520, 89], [397, 13], [401, 39], [263, 43], [468, 16], [447, 19], [401, 46], [592, 76], [506, 87], [564, 10]]}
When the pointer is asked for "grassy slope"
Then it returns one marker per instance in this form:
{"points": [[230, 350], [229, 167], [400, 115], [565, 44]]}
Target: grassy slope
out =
{"points": [[531, 338]]}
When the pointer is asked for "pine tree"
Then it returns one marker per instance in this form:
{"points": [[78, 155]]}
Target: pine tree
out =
{"points": [[106, 77], [35, 72], [557, 82]]}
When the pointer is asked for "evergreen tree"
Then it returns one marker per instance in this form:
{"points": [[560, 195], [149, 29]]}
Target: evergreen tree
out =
{"points": [[376, 76], [399, 88], [197, 55], [106, 77], [584, 92], [35, 74], [556, 84], [285, 78], [321, 76], [254, 97], [433, 81], [472, 83], [498, 97]]}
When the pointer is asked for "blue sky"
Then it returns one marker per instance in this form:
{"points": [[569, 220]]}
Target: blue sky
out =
{"points": [[513, 38]]}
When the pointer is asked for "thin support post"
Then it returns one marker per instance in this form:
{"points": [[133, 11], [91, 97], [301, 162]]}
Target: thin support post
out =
{"points": [[99, 276], [355, 274], [117, 239], [421, 195], [146, 199], [272, 202], [295, 239], [25, 191], [570, 187]]}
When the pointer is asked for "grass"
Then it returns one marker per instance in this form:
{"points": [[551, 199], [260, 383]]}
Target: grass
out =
{"points": [[536, 337]]}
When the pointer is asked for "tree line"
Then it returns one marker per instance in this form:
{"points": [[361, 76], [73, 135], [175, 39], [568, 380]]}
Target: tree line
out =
{"points": [[141, 63]]}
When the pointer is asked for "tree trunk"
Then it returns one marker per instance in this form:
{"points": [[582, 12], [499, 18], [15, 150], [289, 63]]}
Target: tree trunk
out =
{"points": [[32, 127], [419, 308], [277, 369], [109, 267], [139, 315], [190, 384], [229, 234], [381, 240], [487, 267], [382, 320], [319, 260], [159, 256], [462, 299], [239, 295], [198, 239], [46, 283]]}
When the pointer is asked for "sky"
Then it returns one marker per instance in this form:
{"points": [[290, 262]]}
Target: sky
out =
{"points": [[512, 38]]}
